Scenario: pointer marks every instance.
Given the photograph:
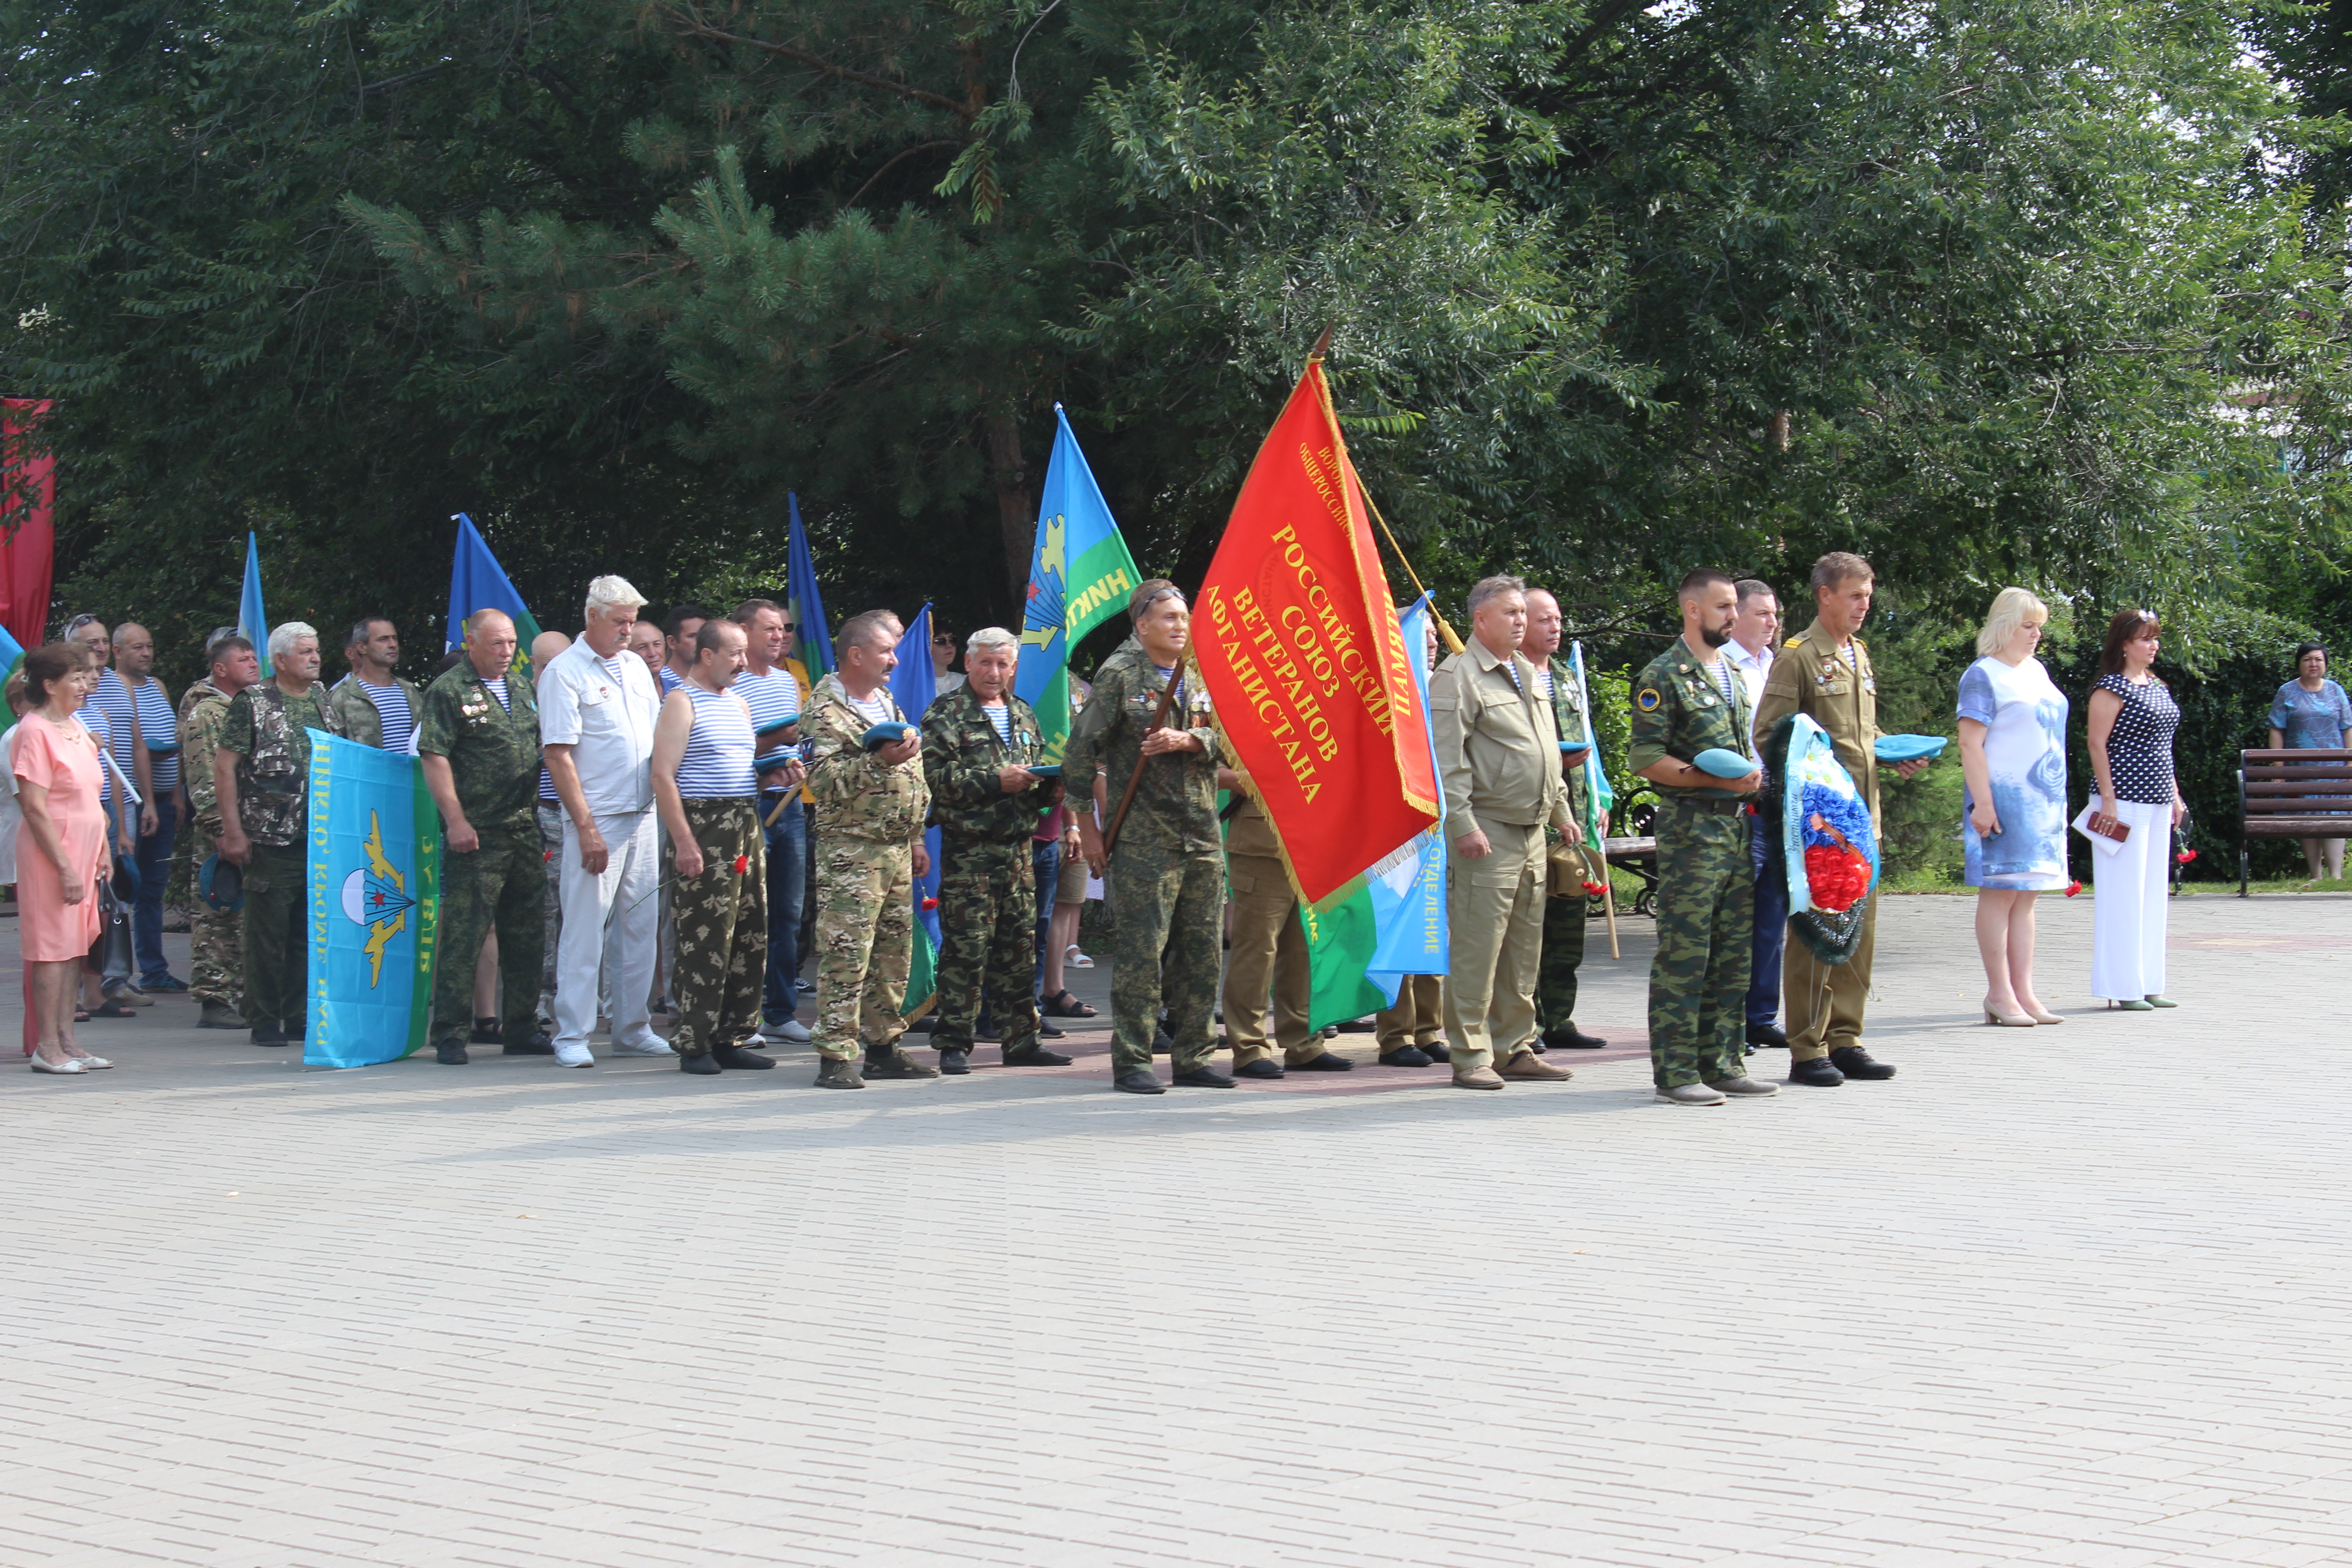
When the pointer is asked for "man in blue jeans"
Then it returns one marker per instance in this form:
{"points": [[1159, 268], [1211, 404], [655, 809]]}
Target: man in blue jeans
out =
{"points": [[1754, 634], [775, 700], [159, 729]]}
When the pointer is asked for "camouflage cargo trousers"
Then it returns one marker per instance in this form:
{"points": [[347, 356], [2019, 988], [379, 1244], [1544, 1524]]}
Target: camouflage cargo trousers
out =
{"points": [[495, 887], [1563, 955], [988, 942], [722, 928], [864, 943], [1166, 909], [550, 847], [1698, 980], [276, 937], [216, 939]]}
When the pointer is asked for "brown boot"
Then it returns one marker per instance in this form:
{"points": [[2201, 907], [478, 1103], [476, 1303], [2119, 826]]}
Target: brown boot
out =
{"points": [[1527, 1065]]}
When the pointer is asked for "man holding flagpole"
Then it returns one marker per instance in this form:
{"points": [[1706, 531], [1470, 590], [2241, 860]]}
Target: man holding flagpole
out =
{"points": [[1564, 911], [1147, 727]]}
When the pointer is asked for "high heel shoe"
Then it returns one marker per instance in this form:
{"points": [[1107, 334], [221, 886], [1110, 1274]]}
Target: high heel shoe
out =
{"points": [[2134, 1006], [2161, 1001], [2006, 1020], [2040, 1015]]}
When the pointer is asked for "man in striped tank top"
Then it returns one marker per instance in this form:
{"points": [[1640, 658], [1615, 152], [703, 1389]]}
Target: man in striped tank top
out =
{"points": [[709, 795], [159, 731]]}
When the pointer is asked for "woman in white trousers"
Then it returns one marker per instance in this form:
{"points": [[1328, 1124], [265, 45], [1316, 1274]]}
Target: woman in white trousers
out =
{"points": [[2132, 719]]}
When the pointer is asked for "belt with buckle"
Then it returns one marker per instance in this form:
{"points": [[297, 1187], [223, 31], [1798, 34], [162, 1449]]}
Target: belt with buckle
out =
{"points": [[1723, 805]]}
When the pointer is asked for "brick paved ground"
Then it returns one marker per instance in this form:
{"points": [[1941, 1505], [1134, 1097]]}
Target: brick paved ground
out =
{"points": [[2070, 1297]]}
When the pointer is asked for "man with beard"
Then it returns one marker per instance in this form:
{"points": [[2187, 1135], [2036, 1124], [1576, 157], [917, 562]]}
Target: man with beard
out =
{"points": [[1686, 702]]}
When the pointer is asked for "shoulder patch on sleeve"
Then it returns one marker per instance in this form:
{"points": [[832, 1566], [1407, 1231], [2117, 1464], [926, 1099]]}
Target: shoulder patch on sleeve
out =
{"points": [[1796, 641], [1646, 700]]}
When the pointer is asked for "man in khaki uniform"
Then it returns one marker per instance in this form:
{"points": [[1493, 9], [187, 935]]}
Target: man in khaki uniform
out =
{"points": [[1267, 948], [1498, 763], [1824, 672]]}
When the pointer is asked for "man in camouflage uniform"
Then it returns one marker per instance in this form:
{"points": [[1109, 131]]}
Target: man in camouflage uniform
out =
{"points": [[979, 742], [216, 945], [478, 738], [1565, 910], [261, 772], [871, 804], [1688, 701], [1168, 891]]}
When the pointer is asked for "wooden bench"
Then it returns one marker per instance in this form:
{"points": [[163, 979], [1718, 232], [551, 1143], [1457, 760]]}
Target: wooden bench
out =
{"points": [[1639, 856], [2287, 794]]}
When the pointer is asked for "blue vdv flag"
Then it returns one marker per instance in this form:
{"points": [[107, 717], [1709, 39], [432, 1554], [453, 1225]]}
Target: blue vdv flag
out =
{"points": [[1408, 888], [375, 883], [252, 621], [1080, 575], [476, 582], [815, 645], [913, 685]]}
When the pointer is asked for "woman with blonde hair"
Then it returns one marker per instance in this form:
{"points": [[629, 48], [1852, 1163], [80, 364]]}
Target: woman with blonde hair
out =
{"points": [[2013, 813]]}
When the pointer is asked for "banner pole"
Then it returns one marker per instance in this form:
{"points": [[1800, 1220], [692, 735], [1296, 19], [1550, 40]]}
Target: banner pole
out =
{"points": [[1158, 720], [1445, 631]]}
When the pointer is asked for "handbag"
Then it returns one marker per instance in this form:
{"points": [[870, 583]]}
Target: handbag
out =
{"points": [[110, 955]]}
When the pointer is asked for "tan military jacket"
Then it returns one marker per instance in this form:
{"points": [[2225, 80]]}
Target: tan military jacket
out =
{"points": [[859, 795], [1497, 743], [1811, 677], [203, 707]]}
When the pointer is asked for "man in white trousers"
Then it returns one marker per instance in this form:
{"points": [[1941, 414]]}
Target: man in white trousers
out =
{"points": [[597, 708]]}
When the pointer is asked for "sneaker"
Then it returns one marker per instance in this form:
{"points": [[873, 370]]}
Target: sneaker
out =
{"points": [[130, 996], [805, 987], [221, 1015], [1744, 1086], [896, 1063], [654, 1047], [163, 983], [792, 1032], [574, 1056], [1689, 1094], [838, 1072]]}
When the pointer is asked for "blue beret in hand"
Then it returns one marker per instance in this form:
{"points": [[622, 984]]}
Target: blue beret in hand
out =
{"points": [[1722, 762], [1908, 747], [887, 732]]}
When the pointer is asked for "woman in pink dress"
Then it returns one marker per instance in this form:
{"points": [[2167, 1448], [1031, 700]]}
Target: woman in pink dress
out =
{"points": [[61, 849]]}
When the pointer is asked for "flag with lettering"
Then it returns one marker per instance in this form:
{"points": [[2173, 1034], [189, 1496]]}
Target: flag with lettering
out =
{"points": [[914, 686], [374, 880], [1080, 575], [1296, 638]]}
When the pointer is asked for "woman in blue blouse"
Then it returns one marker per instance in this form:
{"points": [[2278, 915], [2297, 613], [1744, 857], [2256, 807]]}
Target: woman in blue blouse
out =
{"points": [[2311, 713]]}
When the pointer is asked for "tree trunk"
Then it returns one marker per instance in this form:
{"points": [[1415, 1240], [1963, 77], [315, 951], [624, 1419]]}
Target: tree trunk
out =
{"points": [[1016, 511]]}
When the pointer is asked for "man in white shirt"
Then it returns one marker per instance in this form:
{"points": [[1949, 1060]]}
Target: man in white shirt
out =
{"points": [[597, 711], [1754, 634]]}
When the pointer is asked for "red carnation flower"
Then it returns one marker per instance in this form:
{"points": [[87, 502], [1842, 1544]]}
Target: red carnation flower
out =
{"points": [[2185, 855], [1593, 889], [930, 904], [2072, 888], [1837, 877], [545, 855], [742, 864]]}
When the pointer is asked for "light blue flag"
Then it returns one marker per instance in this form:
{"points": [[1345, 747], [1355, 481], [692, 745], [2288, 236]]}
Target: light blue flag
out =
{"points": [[374, 879], [252, 621], [476, 582], [913, 685], [12, 653], [815, 637], [1408, 888], [1596, 781], [1080, 575]]}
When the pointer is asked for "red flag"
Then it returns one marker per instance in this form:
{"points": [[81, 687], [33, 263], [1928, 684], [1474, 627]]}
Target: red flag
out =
{"points": [[28, 539], [1296, 639]]}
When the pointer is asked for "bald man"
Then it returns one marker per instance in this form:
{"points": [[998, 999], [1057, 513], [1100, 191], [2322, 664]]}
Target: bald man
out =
{"points": [[477, 739]]}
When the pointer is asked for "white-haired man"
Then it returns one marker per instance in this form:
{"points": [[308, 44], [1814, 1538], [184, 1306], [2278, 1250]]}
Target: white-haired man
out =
{"points": [[598, 709], [261, 774], [979, 744]]}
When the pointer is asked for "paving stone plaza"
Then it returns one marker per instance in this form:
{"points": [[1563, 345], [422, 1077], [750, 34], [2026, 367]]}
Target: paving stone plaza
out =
{"points": [[2069, 1296]]}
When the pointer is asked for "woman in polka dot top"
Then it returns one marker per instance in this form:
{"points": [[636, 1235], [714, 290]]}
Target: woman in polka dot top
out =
{"points": [[2132, 719]]}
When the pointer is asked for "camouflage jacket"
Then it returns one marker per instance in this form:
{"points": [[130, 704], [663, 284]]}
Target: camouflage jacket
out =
{"points": [[859, 795], [1568, 711], [202, 708], [363, 721], [1680, 711], [961, 758], [1175, 809], [492, 747], [267, 729]]}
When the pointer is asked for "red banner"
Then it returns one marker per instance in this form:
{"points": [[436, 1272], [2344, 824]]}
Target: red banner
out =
{"points": [[28, 539], [1296, 636]]}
